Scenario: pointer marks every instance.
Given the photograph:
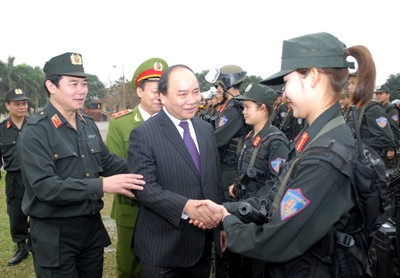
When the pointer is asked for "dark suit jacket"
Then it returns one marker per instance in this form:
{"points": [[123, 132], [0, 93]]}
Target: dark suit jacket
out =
{"points": [[157, 151]]}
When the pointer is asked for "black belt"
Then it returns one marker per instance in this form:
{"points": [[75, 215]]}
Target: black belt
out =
{"points": [[68, 220]]}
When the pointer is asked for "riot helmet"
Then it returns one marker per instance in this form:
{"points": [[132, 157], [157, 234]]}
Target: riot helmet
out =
{"points": [[226, 76]]}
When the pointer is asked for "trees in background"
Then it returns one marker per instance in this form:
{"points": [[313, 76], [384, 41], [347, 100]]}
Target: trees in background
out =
{"points": [[393, 83], [30, 80]]}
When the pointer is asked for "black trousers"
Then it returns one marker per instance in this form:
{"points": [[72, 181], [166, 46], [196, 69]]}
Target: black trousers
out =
{"points": [[71, 247], [18, 220]]}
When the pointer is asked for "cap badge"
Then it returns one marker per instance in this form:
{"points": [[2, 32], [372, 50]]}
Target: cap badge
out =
{"points": [[248, 87], [76, 59], [158, 66], [18, 91]]}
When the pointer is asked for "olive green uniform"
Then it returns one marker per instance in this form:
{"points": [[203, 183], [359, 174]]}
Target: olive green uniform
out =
{"points": [[61, 169], [316, 199], [124, 211]]}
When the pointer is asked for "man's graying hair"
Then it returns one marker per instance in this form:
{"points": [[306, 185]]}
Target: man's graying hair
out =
{"points": [[163, 82]]}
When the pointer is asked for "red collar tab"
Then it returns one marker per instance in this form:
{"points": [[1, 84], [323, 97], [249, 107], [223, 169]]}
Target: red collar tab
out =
{"points": [[56, 120], [256, 141], [303, 140]]}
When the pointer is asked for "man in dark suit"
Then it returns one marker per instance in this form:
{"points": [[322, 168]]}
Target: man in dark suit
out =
{"points": [[165, 242]]}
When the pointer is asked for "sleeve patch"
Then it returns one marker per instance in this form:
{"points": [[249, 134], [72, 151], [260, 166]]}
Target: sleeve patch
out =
{"points": [[222, 121], [276, 163], [292, 203], [381, 121], [395, 117]]}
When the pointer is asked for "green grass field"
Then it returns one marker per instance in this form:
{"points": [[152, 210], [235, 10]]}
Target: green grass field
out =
{"points": [[25, 268]]}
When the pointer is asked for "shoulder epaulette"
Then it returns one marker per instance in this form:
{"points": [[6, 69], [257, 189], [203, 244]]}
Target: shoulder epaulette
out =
{"points": [[36, 118], [121, 113]]}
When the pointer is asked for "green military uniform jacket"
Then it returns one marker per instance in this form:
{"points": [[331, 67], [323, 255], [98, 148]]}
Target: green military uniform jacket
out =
{"points": [[124, 210]]}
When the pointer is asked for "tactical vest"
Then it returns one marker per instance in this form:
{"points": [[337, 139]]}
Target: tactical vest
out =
{"points": [[230, 152], [252, 160]]}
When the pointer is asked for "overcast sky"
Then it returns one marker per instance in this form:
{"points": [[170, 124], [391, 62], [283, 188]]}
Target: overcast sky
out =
{"points": [[201, 34]]}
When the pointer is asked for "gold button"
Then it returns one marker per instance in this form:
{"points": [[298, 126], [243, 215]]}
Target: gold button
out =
{"points": [[56, 155], [87, 175]]}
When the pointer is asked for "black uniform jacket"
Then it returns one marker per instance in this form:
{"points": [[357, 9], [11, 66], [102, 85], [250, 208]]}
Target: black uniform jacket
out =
{"points": [[61, 166], [316, 198]]}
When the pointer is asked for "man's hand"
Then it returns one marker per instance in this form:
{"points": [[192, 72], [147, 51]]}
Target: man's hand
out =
{"points": [[202, 215], [218, 211], [123, 184]]}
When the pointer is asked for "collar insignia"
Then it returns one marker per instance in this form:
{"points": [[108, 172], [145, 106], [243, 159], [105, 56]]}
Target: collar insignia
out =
{"points": [[303, 140], [56, 120], [256, 141], [137, 118]]}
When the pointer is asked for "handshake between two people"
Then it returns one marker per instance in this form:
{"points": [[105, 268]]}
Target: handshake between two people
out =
{"points": [[205, 214]]}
